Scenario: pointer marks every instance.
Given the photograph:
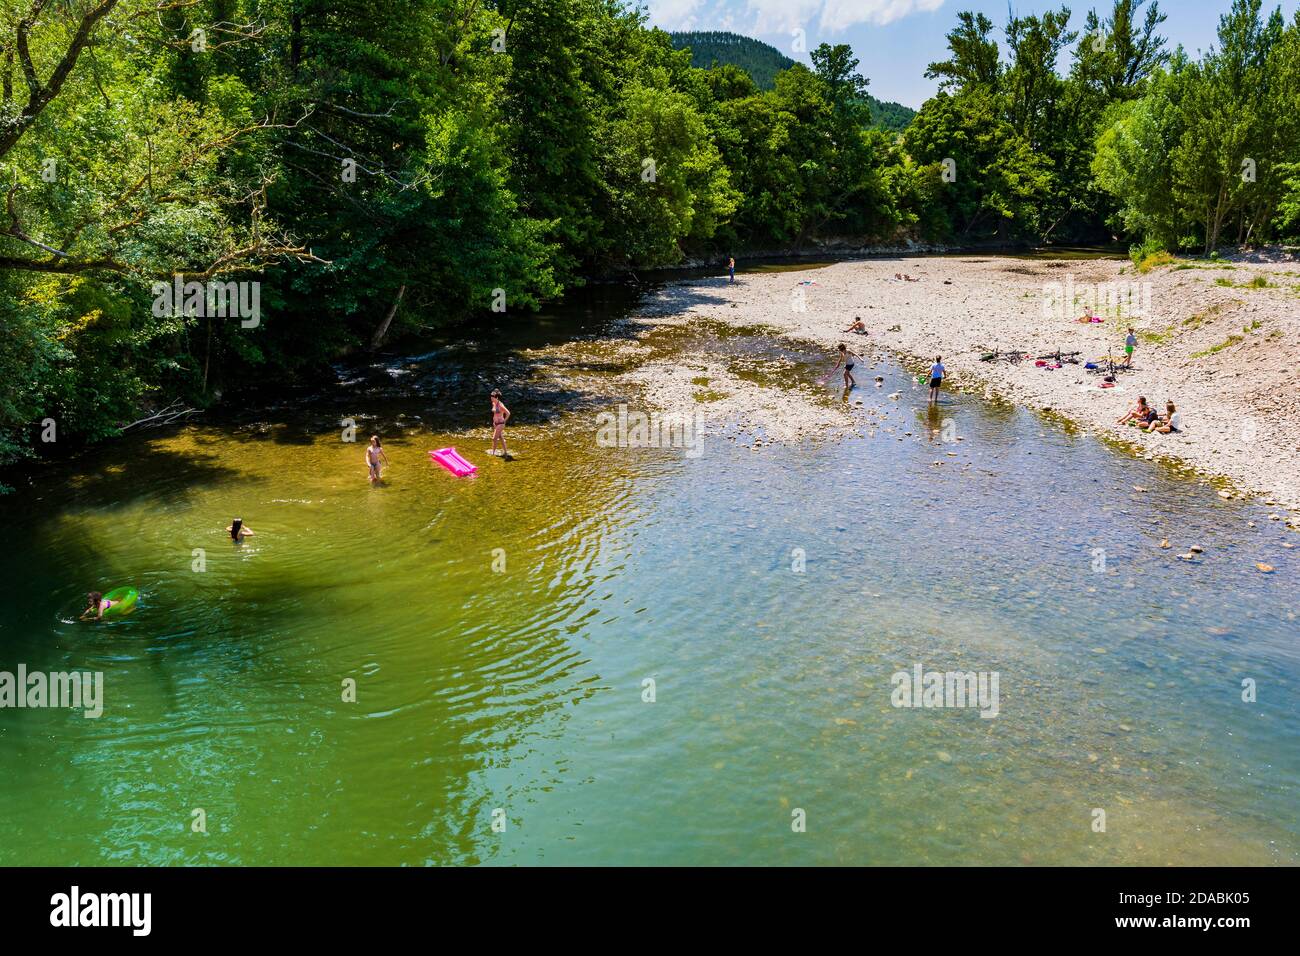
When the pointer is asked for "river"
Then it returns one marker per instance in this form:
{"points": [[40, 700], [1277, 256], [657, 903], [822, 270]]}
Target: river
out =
{"points": [[593, 655]]}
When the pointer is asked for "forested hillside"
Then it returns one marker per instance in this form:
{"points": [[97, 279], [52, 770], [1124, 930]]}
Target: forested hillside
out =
{"points": [[760, 60], [763, 62], [434, 159]]}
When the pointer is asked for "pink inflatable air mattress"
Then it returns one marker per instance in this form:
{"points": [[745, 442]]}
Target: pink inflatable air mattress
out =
{"points": [[450, 459]]}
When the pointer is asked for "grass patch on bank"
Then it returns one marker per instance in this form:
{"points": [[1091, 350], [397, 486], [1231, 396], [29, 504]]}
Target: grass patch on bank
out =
{"points": [[1231, 340], [1194, 322], [1259, 282], [1155, 338], [1154, 261]]}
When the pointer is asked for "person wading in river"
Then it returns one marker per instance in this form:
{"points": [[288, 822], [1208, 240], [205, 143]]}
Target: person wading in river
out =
{"points": [[500, 415], [374, 456], [937, 374], [848, 360]]}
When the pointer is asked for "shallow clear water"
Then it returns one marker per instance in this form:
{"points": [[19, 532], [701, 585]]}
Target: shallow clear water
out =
{"points": [[521, 690]]}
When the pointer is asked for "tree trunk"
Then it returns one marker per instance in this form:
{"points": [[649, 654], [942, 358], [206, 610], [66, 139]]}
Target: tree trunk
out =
{"points": [[378, 338], [207, 356]]}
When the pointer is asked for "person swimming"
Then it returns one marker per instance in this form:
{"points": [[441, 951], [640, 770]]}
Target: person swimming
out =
{"points": [[374, 456], [96, 605], [238, 531]]}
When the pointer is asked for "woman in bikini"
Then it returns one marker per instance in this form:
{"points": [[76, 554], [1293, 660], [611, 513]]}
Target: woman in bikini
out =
{"points": [[500, 415], [375, 455], [1139, 414], [238, 531]]}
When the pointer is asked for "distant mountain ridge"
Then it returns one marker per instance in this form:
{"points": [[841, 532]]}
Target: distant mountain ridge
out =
{"points": [[763, 62]]}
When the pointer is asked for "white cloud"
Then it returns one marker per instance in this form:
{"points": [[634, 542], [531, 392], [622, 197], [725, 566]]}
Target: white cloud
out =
{"points": [[841, 14], [674, 14], [782, 16]]}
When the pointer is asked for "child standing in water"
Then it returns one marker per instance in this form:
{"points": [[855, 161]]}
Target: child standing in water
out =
{"points": [[375, 455], [848, 360], [500, 415], [937, 375]]}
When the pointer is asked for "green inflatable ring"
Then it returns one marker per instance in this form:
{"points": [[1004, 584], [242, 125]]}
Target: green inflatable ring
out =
{"points": [[123, 601]]}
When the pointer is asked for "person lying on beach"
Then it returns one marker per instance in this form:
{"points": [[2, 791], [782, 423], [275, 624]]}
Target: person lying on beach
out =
{"points": [[96, 605], [1171, 423], [238, 531], [1137, 414], [857, 326]]}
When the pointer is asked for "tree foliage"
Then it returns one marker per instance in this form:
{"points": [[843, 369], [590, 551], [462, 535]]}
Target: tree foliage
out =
{"points": [[377, 166]]}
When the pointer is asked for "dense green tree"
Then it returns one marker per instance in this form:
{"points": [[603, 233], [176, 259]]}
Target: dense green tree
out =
{"points": [[374, 166]]}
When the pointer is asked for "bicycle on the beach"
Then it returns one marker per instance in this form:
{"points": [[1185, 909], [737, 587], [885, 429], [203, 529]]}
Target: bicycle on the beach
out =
{"points": [[1109, 368], [1015, 358], [1062, 358]]}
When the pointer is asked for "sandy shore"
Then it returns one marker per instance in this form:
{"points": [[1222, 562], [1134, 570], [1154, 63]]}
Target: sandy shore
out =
{"points": [[1220, 340]]}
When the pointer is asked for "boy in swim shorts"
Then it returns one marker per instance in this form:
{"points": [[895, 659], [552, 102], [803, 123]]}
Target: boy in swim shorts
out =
{"points": [[937, 374]]}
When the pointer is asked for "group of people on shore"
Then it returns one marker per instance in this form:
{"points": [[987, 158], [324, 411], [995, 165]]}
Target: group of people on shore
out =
{"points": [[1148, 419]]}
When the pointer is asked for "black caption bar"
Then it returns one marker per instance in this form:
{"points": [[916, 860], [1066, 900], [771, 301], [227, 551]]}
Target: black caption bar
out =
{"points": [[335, 906]]}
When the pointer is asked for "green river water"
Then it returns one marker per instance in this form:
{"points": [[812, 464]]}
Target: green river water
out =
{"points": [[517, 693]]}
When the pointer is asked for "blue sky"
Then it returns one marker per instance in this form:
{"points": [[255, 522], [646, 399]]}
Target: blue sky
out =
{"points": [[896, 39]]}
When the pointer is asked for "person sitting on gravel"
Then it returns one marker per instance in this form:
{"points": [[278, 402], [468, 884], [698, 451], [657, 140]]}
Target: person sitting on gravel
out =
{"points": [[857, 326], [1139, 415], [1172, 423]]}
